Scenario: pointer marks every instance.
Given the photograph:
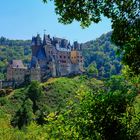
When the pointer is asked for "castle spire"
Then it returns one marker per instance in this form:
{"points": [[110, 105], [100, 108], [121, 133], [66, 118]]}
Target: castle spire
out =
{"points": [[33, 41], [38, 40], [44, 40]]}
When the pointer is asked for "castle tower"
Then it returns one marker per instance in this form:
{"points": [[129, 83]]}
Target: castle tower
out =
{"points": [[36, 44], [47, 46], [46, 40], [35, 73], [38, 54], [9, 74]]}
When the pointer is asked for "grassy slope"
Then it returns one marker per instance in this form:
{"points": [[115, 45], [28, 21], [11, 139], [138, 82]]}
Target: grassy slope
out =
{"points": [[57, 92]]}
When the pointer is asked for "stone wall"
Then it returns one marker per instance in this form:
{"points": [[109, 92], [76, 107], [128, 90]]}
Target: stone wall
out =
{"points": [[6, 84]]}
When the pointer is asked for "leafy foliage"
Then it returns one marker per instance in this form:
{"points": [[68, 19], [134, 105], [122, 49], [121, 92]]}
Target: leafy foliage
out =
{"points": [[102, 114]]}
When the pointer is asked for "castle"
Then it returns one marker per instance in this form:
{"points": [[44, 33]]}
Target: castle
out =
{"points": [[51, 57]]}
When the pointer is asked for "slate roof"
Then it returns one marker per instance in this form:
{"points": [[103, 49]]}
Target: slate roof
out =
{"points": [[17, 64], [41, 53], [56, 39], [33, 62]]}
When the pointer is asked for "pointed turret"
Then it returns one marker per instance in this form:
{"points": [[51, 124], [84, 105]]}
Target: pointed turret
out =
{"points": [[46, 40], [36, 44], [38, 40], [33, 43], [76, 46]]}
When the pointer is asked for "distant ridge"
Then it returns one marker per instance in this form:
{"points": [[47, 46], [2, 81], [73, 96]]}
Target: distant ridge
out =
{"points": [[14, 42]]}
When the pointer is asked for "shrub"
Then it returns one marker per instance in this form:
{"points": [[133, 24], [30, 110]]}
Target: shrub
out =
{"points": [[2, 92]]}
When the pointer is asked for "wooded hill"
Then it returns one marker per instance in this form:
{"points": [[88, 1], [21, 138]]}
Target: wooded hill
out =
{"points": [[100, 55]]}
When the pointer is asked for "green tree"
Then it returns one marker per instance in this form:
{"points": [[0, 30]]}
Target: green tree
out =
{"points": [[24, 115], [35, 94], [92, 70], [124, 15]]}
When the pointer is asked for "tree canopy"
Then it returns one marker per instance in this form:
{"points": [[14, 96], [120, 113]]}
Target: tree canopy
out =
{"points": [[125, 18]]}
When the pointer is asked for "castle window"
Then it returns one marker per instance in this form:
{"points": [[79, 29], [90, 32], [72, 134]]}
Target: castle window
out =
{"points": [[63, 61], [64, 56], [60, 56]]}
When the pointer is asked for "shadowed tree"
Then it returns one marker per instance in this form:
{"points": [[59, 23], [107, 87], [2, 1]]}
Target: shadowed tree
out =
{"points": [[35, 94], [24, 115]]}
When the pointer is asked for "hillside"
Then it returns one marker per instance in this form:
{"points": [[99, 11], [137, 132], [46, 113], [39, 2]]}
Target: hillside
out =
{"points": [[101, 53], [55, 93], [62, 107]]}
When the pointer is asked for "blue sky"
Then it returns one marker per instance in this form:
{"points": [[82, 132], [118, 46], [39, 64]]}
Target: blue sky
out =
{"points": [[20, 19]]}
